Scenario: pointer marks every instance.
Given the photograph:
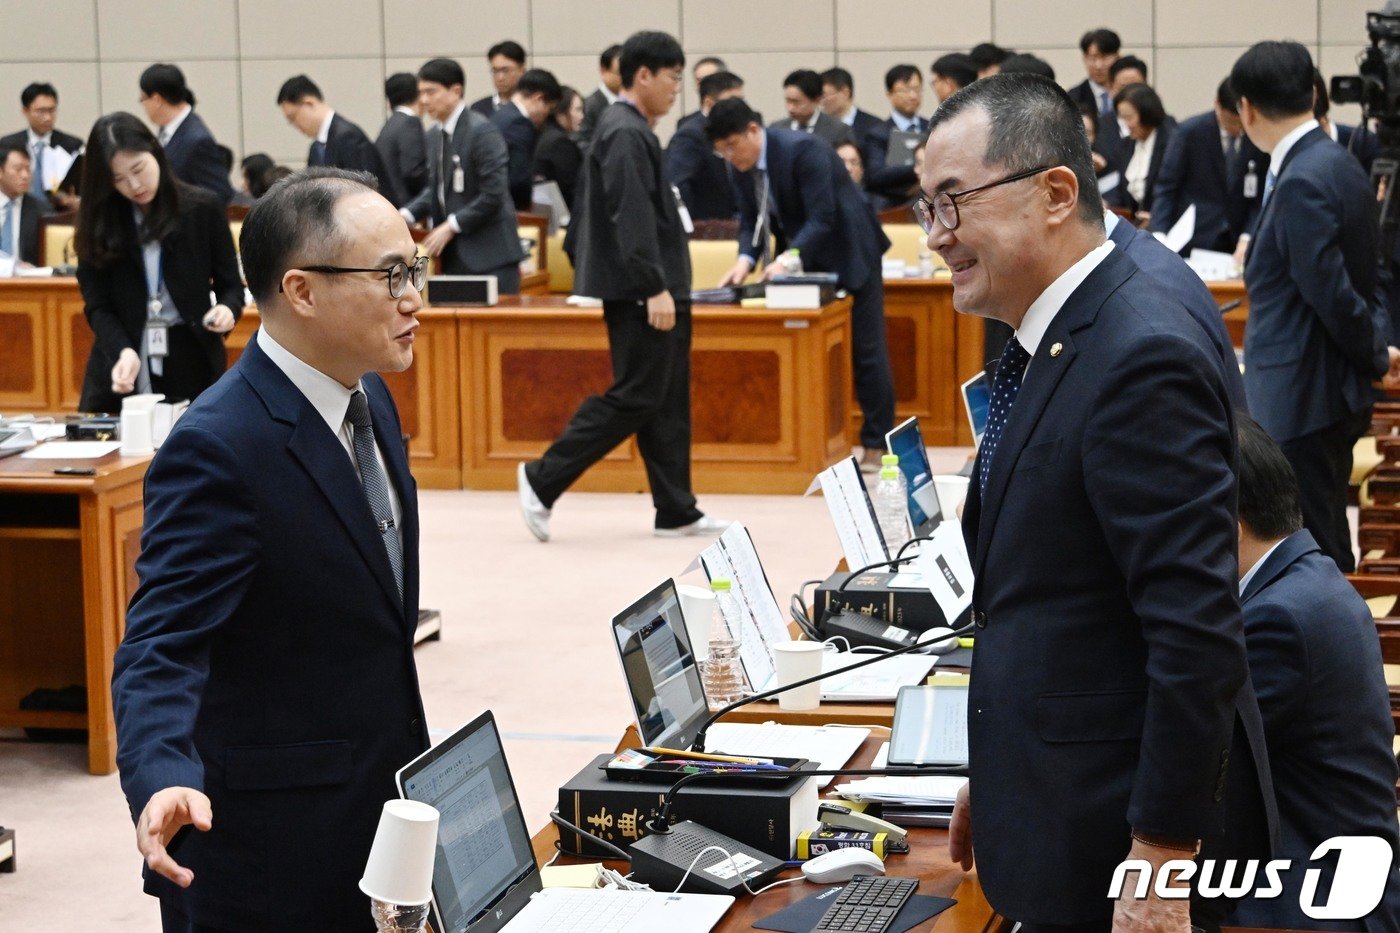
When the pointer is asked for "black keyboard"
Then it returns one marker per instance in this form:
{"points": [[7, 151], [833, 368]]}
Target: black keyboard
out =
{"points": [[867, 905]]}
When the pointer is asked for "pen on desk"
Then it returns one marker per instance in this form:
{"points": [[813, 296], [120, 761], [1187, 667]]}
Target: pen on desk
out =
{"points": [[702, 756], [75, 471]]}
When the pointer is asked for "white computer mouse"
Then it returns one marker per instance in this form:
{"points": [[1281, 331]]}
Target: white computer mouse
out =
{"points": [[842, 865], [938, 640]]}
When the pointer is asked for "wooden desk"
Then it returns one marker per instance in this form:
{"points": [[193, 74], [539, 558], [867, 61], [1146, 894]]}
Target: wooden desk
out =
{"points": [[927, 860], [1235, 320], [44, 344], [770, 393], [68, 549], [933, 350]]}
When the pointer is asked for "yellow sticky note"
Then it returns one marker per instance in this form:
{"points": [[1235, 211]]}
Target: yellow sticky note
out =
{"points": [[948, 679]]}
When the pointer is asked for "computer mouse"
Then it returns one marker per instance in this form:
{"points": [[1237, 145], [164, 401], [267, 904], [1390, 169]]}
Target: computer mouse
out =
{"points": [[841, 865], [938, 640]]}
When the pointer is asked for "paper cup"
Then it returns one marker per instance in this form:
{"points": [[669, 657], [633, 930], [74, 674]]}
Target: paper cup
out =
{"points": [[952, 490], [798, 660], [137, 437], [400, 866], [698, 609]]}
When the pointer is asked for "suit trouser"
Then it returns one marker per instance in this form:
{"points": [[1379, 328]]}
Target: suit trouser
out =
{"points": [[507, 276], [1322, 461], [173, 920], [870, 362], [649, 397]]}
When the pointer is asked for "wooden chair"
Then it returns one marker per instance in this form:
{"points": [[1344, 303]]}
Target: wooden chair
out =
{"points": [[1382, 591], [537, 226], [49, 229]]}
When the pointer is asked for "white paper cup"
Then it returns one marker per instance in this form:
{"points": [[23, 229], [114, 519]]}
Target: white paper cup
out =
{"points": [[698, 610], [952, 490], [136, 432], [798, 660], [400, 866]]}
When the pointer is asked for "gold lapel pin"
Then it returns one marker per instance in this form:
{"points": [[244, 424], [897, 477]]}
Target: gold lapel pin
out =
{"points": [[1056, 349]]}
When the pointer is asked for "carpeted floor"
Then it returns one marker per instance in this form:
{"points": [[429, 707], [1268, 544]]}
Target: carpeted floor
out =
{"points": [[525, 634]]}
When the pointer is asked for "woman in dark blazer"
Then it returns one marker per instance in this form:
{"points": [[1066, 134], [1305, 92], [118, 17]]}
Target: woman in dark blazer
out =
{"points": [[1140, 159], [557, 154], [150, 249]]}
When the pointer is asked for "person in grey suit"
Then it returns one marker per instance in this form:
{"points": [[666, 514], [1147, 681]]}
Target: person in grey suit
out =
{"points": [[401, 143], [609, 84], [802, 96], [1316, 669], [467, 197]]}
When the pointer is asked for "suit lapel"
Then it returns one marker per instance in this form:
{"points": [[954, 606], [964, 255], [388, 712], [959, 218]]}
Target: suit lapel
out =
{"points": [[1042, 378], [320, 453]]}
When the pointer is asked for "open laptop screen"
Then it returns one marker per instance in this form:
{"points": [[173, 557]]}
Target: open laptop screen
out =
{"points": [[977, 398], [660, 668], [907, 443], [483, 846]]}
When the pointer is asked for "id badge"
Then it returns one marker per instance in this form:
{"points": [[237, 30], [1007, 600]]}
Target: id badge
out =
{"points": [[157, 339], [687, 224], [459, 179], [1251, 185]]}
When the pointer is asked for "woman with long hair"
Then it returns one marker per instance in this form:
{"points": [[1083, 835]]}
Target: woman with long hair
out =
{"points": [[150, 250]]}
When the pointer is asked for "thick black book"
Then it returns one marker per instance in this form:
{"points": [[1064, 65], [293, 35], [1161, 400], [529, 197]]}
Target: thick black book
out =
{"points": [[767, 818]]}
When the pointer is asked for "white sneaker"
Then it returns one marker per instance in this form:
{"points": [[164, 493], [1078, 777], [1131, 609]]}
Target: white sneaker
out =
{"points": [[531, 508], [704, 525]]}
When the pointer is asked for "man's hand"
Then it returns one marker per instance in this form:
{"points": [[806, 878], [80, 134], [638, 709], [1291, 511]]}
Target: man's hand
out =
{"points": [[736, 274], [166, 812], [219, 320], [1241, 248], [960, 829], [1391, 380], [661, 311], [1154, 914], [438, 238], [125, 372], [775, 267]]}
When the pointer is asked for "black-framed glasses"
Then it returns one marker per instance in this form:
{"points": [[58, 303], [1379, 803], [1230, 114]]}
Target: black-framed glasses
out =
{"points": [[400, 274], [944, 206]]}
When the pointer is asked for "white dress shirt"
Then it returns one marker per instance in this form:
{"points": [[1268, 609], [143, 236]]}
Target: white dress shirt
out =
{"points": [[323, 135], [1135, 175], [1244, 580], [902, 123], [849, 117], [1285, 145], [1043, 310], [609, 95], [331, 401], [18, 208]]}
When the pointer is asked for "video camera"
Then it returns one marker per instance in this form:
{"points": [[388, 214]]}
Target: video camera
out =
{"points": [[1377, 87]]}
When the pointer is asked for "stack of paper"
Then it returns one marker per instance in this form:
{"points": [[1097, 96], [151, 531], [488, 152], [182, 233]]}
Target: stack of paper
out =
{"points": [[907, 801]]}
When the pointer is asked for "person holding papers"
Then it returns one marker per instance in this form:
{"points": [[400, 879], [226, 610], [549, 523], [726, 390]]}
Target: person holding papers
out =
{"points": [[1110, 715], [40, 139], [151, 250]]}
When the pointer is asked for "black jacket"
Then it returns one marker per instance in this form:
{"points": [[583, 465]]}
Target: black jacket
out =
{"points": [[626, 238], [194, 158], [31, 209], [520, 135], [198, 259], [348, 147], [558, 159], [702, 177], [1193, 171], [403, 150]]}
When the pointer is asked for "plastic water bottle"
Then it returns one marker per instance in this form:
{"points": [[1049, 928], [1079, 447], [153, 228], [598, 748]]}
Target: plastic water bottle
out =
{"points": [[926, 267], [792, 262], [892, 504], [724, 679]]}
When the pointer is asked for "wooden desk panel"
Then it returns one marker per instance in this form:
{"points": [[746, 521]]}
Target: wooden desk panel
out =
{"points": [[769, 393], [75, 539], [933, 350], [1225, 292], [927, 860]]}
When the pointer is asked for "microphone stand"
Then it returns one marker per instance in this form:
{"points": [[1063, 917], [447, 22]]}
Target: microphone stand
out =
{"points": [[699, 744]]}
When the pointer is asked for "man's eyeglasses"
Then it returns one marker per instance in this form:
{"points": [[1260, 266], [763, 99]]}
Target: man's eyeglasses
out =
{"points": [[944, 206], [400, 274]]}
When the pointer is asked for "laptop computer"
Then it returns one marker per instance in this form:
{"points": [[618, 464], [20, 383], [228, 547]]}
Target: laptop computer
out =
{"points": [[977, 400], [484, 874], [906, 442], [668, 696]]}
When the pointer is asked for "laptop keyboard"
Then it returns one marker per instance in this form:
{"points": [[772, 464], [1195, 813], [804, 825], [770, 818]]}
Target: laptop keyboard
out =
{"points": [[584, 911]]}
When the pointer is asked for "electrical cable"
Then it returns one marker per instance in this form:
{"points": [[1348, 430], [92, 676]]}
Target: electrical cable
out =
{"points": [[732, 864], [588, 837]]}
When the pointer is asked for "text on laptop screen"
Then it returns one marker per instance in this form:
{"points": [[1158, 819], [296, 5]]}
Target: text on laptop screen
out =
{"points": [[483, 845], [907, 443], [660, 667]]}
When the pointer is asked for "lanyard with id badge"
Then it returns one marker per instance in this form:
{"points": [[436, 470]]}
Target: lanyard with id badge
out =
{"points": [[157, 333]]}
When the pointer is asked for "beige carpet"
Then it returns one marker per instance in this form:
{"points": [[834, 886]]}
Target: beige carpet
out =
{"points": [[525, 635]]}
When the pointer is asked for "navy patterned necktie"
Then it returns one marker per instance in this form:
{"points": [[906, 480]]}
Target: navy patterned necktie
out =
{"points": [[1012, 367], [375, 484]]}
